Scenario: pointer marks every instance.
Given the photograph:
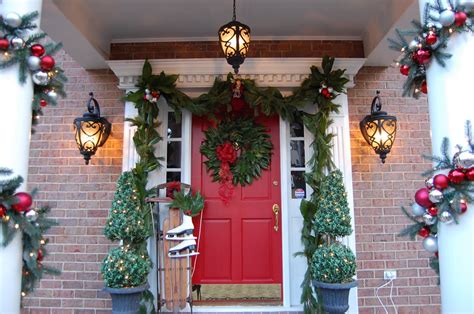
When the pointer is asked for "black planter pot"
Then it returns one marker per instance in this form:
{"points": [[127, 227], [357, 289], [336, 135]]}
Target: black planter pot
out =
{"points": [[334, 297], [126, 300]]}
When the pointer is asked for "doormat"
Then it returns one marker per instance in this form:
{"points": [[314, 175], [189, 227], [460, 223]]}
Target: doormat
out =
{"points": [[250, 292]]}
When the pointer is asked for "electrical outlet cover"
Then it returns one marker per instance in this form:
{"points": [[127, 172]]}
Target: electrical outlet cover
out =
{"points": [[390, 274]]}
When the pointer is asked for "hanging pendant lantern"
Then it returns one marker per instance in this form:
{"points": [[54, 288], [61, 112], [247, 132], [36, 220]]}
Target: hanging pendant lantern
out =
{"points": [[91, 130], [379, 129], [234, 38]]}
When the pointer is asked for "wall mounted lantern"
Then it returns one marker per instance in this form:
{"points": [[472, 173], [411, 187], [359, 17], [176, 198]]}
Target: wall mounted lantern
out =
{"points": [[234, 38], [91, 130], [379, 129]]}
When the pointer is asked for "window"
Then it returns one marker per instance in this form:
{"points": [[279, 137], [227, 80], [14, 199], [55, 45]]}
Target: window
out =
{"points": [[173, 147], [297, 159]]}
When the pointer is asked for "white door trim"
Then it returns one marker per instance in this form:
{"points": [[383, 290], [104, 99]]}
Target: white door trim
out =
{"points": [[197, 75]]}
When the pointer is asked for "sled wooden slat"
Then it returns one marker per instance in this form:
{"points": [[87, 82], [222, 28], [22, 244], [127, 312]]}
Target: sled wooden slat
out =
{"points": [[167, 268]]}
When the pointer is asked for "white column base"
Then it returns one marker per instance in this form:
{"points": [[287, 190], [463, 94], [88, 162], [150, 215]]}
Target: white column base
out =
{"points": [[11, 261]]}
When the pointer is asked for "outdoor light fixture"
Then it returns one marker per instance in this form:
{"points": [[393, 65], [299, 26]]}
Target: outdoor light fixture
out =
{"points": [[379, 129], [234, 38], [91, 130]]}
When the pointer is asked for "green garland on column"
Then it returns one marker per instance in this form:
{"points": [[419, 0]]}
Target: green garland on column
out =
{"points": [[18, 215], [33, 59]]}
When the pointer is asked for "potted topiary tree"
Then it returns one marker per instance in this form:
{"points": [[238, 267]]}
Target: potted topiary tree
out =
{"points": [[333, 264], [126, 267]]}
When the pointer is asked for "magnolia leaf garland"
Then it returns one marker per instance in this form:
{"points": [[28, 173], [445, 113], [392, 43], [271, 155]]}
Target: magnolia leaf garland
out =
{"points": [[449, 189], [237, 151], [427, 41], [18, 215], [33, 59]]}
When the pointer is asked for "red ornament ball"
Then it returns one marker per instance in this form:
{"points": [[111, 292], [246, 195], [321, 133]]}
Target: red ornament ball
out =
{"points": [[440, 181], [47, 63], [424, 232], [325, 92], [422, 56], [437, 254], [460, 18], [24, 202], [470, 174], [456, 176], [405, 69], [37, 50], [40, 256], [4, 43], [431, 38], [43, 103], [424, 87], [3, 211], [433, 211], [463, 206], [155, 94], [422, 197]]}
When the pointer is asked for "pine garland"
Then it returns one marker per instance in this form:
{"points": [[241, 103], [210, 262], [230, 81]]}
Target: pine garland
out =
{"points": [[430, 38], [33, 224], [46, 92]]}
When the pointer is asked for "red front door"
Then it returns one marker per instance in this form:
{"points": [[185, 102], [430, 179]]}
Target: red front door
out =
{"points": [[238, 242]]}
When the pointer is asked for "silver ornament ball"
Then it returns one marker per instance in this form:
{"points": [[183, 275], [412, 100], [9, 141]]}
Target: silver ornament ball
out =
{"points": [[31, 215], [430, 243], [33, 63], [436, 196], [17, 43], [417, 210], [40, 78], [446, 217], [330, 89], [429, 183], [467, 4], [428, 219], [53, 95], [12, 19], [413, 44], [464, 159], [447, 17]]}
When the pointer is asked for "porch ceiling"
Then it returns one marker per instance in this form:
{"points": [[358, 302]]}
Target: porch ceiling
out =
{"points": [[87, 27]]}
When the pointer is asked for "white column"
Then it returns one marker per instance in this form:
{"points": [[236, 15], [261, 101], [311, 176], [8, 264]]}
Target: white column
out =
{"points": [[450, 95], [15, 125]]}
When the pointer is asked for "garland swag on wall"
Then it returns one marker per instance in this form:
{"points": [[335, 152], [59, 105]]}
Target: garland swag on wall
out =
{"points": [[440, 22], [320, 88], [17, 215], [33, 59]]}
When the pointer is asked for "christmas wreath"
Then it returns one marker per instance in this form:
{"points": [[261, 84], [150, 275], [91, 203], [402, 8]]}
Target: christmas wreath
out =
{"points": [[430, 38], [237, 152]]}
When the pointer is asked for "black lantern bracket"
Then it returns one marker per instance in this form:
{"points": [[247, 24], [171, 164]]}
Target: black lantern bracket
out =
{"points": [[379, 129], [234, 38], [91, 130]]}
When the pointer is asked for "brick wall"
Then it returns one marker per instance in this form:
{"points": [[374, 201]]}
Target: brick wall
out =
{"points": [[81, 195], [380, 190], [259, 49]]}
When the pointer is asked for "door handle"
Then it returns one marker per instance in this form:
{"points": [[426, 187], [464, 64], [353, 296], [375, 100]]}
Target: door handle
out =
{"points": [[276, 211]]}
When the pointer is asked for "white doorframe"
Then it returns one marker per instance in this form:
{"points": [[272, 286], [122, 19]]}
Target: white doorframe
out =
{"points": [[196, 76]]}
